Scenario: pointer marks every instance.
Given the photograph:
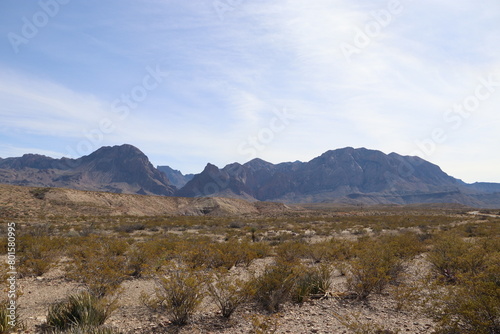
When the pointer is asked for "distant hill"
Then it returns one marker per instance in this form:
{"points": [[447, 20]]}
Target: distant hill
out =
{"points": [[175, 177], [118, 169], [344, 176], [348, 175], [63, 202], [485, 187]]}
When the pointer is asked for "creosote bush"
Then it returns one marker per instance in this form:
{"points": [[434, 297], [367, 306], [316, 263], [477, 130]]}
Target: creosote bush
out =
{"points": [[274, 286], [472, 304], [451, 256], [204, 253], [405, 245], [356, 326], [180, 295], [37, 254], [291, 251], [227, 292], [374, 266], [463, 260], [100, 264]]}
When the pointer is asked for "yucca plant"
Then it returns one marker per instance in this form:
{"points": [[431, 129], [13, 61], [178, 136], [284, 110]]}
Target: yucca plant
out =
{"points": [[87, 330], [312, 282], [79, 310], [6, 320]]}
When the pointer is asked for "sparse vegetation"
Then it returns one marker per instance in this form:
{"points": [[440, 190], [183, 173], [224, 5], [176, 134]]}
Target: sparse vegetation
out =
{"points": [[443, 266], [356, 326], [472, 303], [38, 253], [99, 263], [264, 324], [39, 193]]}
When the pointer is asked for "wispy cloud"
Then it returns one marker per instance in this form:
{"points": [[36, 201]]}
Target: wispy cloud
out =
{"points": [[227, 76]]}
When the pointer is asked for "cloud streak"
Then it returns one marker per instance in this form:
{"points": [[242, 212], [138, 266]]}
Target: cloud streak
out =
{"points": [[227, 76]]}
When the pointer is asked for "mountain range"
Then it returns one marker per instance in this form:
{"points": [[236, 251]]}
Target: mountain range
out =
{"points": [[118, 169], [344, 176]]}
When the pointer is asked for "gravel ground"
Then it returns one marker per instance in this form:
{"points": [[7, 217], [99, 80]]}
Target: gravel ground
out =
{"points": [[315, 316]]}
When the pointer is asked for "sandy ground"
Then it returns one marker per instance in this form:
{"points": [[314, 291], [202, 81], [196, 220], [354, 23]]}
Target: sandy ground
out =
{"points": [[315, 316]]}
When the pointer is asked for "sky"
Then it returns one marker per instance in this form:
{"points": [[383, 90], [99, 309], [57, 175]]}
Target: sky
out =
{"points": [[222, 81]]}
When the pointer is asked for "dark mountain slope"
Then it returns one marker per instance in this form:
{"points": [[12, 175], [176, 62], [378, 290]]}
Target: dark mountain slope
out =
{"points": [[120, 169], [345, 175], [175, 177]]}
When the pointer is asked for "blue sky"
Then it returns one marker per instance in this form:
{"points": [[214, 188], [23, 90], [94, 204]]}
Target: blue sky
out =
{"points": [[191, 82]]}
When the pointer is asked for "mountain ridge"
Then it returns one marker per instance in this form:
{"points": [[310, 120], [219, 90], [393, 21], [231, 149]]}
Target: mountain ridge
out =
{"points": [[119, 169], [346, 176]]}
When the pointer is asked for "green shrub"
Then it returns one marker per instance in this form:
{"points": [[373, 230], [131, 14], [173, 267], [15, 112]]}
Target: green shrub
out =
{"points": [[318, 252], [129, 228], [274, 286], [227, 292], [99, 264], [79, 310], [374, 266], [147, 257], [405, 245], [472, 305], [261, 249], [291, 251], [39, 193], [37, 254], [340, 250], [452, 256], [180, 295], [204, 253]]}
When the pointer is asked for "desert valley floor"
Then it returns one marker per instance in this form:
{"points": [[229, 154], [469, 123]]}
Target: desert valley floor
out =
{"points": [[275, 268]]}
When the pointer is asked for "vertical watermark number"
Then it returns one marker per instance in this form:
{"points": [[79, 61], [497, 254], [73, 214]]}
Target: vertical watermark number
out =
{"points": [[11, 274]]}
